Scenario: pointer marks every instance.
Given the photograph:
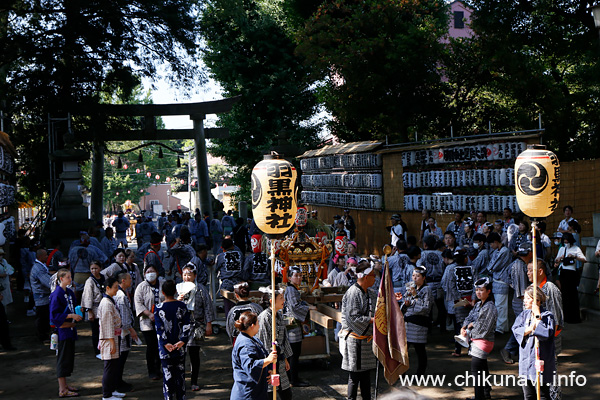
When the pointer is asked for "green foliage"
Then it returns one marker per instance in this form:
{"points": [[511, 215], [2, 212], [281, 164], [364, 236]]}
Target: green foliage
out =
{"points": [[219, 174], [543, 57], [249, 52], [58, 53], [123, 184], [378, 64]]}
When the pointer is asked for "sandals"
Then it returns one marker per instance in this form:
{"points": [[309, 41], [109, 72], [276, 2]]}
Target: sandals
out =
{"points": [[456, 354], [72, 389], [195, 388], [68, 393]]}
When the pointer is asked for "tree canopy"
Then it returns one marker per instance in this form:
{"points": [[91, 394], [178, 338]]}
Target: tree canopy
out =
{"points": [[250, 53], [543, 57], [58, 53], [378, 62]]}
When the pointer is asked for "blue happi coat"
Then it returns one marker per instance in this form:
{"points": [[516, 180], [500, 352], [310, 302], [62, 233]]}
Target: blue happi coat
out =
{"points": [[249, 376]]}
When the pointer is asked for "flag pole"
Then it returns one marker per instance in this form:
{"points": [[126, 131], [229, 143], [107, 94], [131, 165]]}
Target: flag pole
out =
{"points": [[386, 250], [376, 379]]}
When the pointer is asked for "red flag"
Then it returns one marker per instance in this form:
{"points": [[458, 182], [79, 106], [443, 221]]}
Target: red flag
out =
{"points": [[389, 333]]}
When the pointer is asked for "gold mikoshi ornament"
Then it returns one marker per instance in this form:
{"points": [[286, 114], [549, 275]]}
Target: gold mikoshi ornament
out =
{"points": [[537, 181]]}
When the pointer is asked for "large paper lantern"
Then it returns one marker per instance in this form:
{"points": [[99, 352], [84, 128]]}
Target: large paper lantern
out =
{"points": [[537, 181], [274, 194]]}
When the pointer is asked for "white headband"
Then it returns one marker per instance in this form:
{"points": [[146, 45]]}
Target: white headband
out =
{"points": [[364, 273]]}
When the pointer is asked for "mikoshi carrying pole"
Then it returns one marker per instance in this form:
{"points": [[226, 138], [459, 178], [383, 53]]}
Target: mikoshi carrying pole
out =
{"points": [[537, 185], [274, 207]]}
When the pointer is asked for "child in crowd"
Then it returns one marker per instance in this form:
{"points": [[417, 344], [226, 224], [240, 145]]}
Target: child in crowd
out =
{"points": [[481, 322]]}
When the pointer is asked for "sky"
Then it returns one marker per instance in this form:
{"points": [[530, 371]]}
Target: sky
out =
{"points": [[165, 94]]}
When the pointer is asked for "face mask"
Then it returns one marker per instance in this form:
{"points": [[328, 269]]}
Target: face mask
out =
{"points": [[151, 276], [557, 243], [475, 246]]}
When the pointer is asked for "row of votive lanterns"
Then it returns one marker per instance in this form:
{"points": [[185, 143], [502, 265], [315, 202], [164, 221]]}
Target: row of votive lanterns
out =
{"points": [[7, 195], [367, 181], [349, 161], [459, 178], [350, 200], [449, 202], [460, 154], [7, 162]]}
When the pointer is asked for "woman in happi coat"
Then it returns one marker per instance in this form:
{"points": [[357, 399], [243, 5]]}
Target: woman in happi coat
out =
{"points": [[148, 295], [250, 361], [284, 350], [118, 265], [535, 322], [357, 332], [242, 294], [482, 324], [296, 310], [466, 240], [418, 302], [90, 300], [457, 284], [200, 304], [172, 321], [134, 271], [110, 332]]}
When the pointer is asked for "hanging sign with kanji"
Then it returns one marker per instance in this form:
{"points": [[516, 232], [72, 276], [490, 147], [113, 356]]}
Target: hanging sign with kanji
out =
{"points": [[274, 194]]}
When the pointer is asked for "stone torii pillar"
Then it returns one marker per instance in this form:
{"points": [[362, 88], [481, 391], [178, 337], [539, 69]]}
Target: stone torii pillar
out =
{"points": [[204, 197]]}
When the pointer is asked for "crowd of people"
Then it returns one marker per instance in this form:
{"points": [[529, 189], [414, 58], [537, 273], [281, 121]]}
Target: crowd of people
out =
{"points": [[465, 274], [458, 279]]}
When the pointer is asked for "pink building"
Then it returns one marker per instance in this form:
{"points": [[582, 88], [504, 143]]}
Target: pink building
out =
{"points": [[161, 195], [460, 21]]}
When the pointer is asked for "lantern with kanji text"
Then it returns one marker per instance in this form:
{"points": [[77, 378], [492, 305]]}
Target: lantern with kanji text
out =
{"points": [[274, 194]]}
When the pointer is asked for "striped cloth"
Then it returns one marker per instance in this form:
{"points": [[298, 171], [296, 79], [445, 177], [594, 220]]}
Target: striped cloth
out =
{"points": [[297, 309], [109, 322], [357, 354], [484, 319], [127, 319], [284, 349], [421, 305]]}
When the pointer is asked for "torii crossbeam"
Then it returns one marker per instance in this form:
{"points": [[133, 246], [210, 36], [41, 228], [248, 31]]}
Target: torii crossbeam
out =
{"points": [[197, 113]]}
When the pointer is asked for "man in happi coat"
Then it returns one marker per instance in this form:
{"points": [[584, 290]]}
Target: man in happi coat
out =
{"points": [[357, 332]]}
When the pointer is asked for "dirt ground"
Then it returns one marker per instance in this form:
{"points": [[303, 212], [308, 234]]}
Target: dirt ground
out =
{"points": [[29, 372]]}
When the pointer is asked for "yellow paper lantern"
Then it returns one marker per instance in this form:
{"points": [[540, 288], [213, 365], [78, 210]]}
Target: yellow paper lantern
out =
{"points": [[537, 181], [274, 194]]}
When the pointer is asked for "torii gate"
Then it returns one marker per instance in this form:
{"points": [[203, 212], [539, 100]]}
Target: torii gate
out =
{"points": [[197, 113]]}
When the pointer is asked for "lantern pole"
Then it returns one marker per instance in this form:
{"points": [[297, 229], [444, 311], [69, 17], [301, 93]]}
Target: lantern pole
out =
{"points": [[537, 186], [274, 194], [274, 315], [534, 223]]}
